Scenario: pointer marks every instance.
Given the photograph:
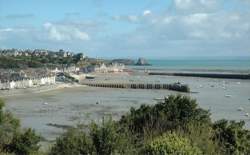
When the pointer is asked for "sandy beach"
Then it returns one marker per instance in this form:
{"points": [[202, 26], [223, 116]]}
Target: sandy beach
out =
{"points": [[39, 89], [48, 110]]}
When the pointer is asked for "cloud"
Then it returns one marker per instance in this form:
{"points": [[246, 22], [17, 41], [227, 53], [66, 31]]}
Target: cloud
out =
{"points": [[195, 27], [133, 18], [147, 13], [19, 16], [126, 18], [191, 6], [70, 14], [57, 32], [6, 30]]}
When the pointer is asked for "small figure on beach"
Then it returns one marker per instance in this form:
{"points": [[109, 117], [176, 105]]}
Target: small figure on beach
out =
{"points": [[97, 102]]}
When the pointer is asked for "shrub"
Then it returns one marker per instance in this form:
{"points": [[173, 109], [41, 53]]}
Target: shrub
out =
{"points": [[171, 143], [12, 138], [232, 137], [24, 143], [73, 142], [173, 113]]}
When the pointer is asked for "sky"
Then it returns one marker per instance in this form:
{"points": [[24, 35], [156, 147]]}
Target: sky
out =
{"points": [[128, 28]]}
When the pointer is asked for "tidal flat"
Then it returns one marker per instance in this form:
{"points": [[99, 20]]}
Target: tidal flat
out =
{"points": [[48, 112]]}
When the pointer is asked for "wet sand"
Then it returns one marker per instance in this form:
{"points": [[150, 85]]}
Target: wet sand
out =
{"points": [[38, 89], [78, 104]]}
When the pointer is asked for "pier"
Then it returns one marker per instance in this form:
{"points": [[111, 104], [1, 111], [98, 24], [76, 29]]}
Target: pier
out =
{"points": [[175, 86], [206, 75]]}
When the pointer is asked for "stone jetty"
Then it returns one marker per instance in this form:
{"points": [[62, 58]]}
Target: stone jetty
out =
{"points": [[205, 75]]}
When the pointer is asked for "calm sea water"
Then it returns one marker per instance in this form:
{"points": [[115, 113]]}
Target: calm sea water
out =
{"points": [[232, 64]]}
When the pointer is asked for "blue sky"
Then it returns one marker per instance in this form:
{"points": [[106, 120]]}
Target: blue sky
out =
{"points": [[131, 28]]}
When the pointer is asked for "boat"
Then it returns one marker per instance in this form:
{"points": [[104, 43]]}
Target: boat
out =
{"points": [[45, 103], [228, 96], [159, 99], [90, 77], [240, 109], [247, 114]]}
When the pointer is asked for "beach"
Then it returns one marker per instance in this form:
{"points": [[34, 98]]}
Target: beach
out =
{"points": [[38, 89], [48, 112]]}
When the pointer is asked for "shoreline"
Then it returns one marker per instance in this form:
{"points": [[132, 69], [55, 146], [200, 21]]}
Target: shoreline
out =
{"points": [[37, 90], [67, 107]]}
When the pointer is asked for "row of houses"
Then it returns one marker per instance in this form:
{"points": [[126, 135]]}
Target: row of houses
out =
{"points": [[28, 83], [112, 68]]}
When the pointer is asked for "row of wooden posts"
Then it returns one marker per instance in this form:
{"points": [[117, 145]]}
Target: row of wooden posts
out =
{"points": [[175, 86]]}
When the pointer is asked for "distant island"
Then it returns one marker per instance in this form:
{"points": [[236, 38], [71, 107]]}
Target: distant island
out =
{"points": [[142, 62]]}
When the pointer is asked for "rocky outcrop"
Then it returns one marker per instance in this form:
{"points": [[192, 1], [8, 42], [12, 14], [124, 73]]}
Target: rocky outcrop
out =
{"points": [[142, 62]]}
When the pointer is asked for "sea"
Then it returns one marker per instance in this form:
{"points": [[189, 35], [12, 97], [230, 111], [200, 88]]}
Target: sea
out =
{"points": [[228, 64]]}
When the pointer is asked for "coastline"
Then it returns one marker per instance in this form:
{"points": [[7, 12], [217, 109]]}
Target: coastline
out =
{"points": [[70, 104], [36, 90]]}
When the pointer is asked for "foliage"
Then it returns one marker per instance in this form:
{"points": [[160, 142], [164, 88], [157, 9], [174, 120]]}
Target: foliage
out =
{"points": [[12, 138], [73, 142], [171, 143], [232, 137], [24, 143], [103, 139], [35, 61], [202, 135], [175, 112]]}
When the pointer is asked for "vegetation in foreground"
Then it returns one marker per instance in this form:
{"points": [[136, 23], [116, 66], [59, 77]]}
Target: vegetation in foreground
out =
{"points": [[175, 126]]}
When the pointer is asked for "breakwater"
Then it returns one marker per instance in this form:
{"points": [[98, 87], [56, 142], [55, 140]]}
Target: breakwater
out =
{"points": [[175, 86], [206, 75]]}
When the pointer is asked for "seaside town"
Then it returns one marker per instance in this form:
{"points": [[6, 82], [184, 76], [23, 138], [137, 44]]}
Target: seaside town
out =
{"points": [[76, 66]]}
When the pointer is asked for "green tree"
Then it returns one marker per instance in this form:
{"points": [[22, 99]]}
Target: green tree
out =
{"points": [[173, 113], [232, 137], [171, 143], [73, 142], [104, 137], [12, 138], [24, 143]]}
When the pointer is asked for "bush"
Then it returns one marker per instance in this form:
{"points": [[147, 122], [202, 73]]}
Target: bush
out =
{"points": [[232, 137], [24, 143], [173, 113], [171, 143], [103, 139], [73, 142], [12, 138]]}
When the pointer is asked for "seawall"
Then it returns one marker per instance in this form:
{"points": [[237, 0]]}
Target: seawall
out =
{"points": [[205, 75]]}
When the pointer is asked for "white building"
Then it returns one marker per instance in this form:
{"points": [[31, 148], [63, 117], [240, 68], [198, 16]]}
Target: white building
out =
{"points": [[28, 83]]}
